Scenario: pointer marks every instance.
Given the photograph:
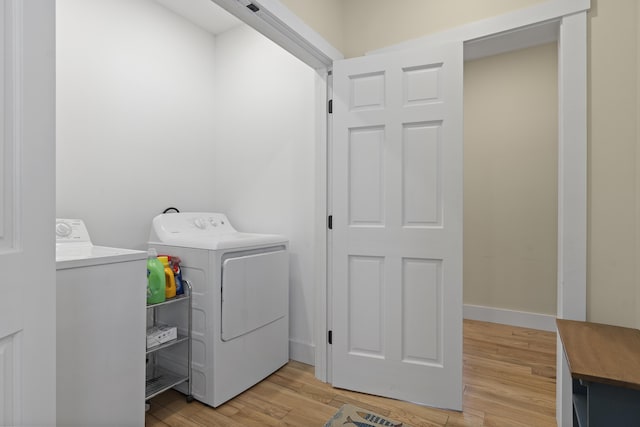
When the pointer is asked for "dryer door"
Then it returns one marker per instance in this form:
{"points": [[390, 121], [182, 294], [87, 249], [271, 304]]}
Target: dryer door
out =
{"points": [[255, 292]]}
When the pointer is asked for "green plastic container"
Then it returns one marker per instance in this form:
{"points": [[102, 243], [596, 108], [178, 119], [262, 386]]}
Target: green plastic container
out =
{"points": [[155, 278]]}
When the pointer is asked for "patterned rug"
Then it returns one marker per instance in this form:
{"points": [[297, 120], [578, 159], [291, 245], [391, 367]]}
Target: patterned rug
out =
{"points": [[350, 415]]}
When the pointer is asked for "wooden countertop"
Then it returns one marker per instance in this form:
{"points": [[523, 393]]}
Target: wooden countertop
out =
{"points": [[601, 353]]}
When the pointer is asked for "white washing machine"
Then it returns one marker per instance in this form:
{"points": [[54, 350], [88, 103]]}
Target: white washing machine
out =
{"points": [[240, 327], [100, 331]]}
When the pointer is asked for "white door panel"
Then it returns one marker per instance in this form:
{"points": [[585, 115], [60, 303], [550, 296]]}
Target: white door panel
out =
{"points": [[397, 225], [27, 213]]}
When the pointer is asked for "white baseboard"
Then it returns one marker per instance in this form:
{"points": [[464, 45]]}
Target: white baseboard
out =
{"points": [[305, 352], [523, 319], [302, 352]]}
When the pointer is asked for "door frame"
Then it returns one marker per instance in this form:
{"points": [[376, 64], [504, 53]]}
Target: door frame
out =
{"points": [[561, 20]]}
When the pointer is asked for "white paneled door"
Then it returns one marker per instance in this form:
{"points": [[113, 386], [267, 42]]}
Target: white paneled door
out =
{"points": [[27, 213], [396, 205]]}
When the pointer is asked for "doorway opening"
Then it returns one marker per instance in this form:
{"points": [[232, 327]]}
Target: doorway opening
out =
{"points": [[511, 198], [566, 25], [510, 187]]}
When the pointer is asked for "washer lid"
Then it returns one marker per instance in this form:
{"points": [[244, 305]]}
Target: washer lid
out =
{"points": [[74, 256], [74, 247], [205, 230]]}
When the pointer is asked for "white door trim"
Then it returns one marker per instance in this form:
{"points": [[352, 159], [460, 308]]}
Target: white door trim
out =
{"points": [[491, 30], [286, 29], [321, 319], [572, 193]]}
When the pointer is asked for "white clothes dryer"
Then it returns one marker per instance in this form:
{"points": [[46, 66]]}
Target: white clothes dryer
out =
{"points": [[240, 285]]}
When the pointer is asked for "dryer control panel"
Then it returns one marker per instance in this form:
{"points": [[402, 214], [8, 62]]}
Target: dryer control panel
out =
{"points": [[192, 222], [217, 221], [205, 230]]}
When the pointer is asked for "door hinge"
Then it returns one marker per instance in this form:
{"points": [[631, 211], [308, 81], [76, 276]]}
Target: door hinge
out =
{"points": [[330, 337], [252, 7], [330, 106], [330, 222]]}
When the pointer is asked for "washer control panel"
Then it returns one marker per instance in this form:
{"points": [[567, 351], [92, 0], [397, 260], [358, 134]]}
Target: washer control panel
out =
{"points": [[71, 230]]}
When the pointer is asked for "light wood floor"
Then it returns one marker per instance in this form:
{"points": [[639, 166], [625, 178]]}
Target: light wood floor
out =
{"points": [[509, 380]]}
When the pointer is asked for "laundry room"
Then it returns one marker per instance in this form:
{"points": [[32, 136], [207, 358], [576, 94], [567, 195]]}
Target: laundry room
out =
{"points": [[117, 112], [154, 110]]}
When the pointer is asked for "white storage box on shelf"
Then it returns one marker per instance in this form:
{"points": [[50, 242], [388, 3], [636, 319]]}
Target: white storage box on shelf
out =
{"points": [[240, 282], [160, 334]]}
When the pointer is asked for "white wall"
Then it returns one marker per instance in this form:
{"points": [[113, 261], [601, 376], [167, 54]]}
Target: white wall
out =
{"points": [[264, 169], [155, 112], [135, 124]]}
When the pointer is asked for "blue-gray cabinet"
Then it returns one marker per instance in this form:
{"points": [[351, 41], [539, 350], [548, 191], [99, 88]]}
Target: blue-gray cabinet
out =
{"points": [[604, 361]]}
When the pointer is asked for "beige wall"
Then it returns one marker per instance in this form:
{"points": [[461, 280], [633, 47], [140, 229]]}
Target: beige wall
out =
{"points": [[372, 24], [613, 285], [357, 26], [324, 16], [613, 196], [510, 180]]}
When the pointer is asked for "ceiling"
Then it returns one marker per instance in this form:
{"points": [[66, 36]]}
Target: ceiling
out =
{"points": [[203, 13]]}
